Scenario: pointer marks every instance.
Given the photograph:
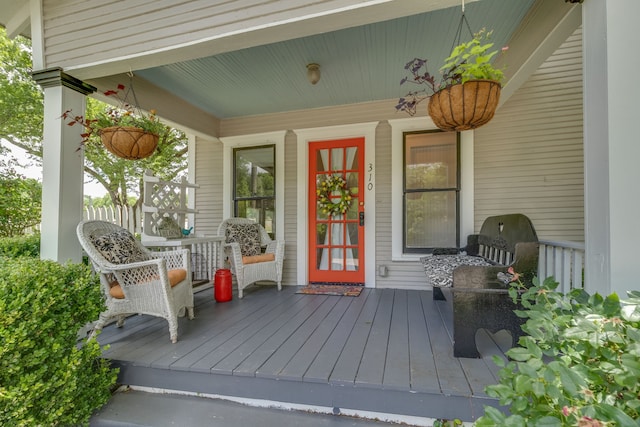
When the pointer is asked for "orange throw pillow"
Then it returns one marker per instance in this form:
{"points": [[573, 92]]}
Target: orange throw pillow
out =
{"points": [[175, 276], [258, 258]]}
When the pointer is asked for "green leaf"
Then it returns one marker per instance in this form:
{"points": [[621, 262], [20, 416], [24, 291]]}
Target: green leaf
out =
{"points": [[494, 414], [609, 412], [548, 421], [519, 354]]}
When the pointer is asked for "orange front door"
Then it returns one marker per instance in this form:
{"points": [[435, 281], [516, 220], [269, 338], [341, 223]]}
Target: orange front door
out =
{"points": [[336, 211]]}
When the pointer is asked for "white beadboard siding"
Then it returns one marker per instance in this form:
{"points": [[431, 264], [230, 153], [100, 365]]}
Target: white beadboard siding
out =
{"points": [[529, 158], [108, 29], [117, 34], [208, 175], [404, 274], [291, 252]]}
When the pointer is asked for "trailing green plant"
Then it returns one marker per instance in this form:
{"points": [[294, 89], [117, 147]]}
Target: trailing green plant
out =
{"points": [[47, 378], [20, 246], [124, 115], [578, 365], [467, 61], [447, 423]]}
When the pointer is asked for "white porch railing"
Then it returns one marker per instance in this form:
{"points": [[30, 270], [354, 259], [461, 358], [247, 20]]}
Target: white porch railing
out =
{"points": [[564, 261], [128, 217]]}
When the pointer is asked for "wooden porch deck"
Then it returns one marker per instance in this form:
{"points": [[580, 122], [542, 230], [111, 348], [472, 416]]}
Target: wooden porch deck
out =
{"points": [[387, 351]]}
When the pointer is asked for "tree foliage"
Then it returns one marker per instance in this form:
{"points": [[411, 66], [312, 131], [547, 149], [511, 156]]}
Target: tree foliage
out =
{"points": [[20, 201], [21, 122]]}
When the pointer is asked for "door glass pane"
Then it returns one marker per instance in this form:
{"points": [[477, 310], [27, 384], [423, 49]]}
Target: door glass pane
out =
{"points": [[352, 234], [337, 259], [321, 259], [321, 234], [337, 235], [352, 213], [322, 160], [337, 159], [430, 219], [352, 259], [352, 158]]}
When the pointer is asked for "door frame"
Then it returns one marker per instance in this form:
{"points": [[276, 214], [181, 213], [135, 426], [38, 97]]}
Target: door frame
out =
{"points": [[305, 136]]}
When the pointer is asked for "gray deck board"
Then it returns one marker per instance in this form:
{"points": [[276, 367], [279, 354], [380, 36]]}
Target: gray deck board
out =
{"points": [[282, 332], [346, 367], [285, 351], [220, 331], [397, 369], [371, 370], [387, 349], [239, 342], [424, 376], [300, 362], [322, 366], [450, 375]]}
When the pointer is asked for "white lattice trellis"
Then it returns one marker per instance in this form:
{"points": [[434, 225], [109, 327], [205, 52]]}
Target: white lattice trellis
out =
{"points": [[164, 200]]}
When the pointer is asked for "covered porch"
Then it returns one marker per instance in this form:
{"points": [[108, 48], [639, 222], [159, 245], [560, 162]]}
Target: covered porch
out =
{"points": [[387, 351]]}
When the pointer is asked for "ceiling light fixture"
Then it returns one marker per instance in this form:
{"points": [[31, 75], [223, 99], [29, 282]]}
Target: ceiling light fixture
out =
{"points": [[313, 73]]}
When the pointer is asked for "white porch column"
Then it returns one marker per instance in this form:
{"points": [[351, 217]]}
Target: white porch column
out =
{"points": [[611, 145], [62, 166]]}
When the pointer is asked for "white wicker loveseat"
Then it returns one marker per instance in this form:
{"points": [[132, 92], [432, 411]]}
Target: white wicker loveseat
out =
{"points": [[135, 280], [244, 244]]}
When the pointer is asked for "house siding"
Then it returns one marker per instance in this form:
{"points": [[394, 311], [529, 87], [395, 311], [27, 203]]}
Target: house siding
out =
{"points": [[529, 158], [208, 175], [81, 34]]}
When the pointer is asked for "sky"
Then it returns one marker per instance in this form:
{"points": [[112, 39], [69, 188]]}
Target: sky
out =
{"points": [[31, 170]]}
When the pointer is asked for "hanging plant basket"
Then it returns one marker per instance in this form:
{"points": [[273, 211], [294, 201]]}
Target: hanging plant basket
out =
{"points": [[465, 106], [129, 142]]}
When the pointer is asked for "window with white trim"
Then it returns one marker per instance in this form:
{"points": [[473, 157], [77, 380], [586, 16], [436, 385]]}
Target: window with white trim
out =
{"points": [[254, 185], [431, 191]]}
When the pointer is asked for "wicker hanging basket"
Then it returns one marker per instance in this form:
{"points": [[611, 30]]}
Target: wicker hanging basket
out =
{"points": [[464, 106], [129, 142]]}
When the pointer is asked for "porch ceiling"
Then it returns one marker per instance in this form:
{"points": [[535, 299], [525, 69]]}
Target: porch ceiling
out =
{"points": [[358, 64]]}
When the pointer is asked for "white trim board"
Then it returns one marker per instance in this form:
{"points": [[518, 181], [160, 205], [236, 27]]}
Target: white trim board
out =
{"points": [[305, 136]]}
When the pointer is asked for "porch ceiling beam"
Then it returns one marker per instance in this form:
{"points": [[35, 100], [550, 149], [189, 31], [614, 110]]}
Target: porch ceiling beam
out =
{"points": [[345, 14], [171, 109], [548, 24], [19, 22]]}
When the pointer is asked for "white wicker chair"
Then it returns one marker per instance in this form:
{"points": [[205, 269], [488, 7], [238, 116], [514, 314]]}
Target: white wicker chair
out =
{"points": [[144, 282], [246, 274]]}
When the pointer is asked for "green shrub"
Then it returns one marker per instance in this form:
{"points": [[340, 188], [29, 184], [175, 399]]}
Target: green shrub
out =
{"points": [[578, 366], [46, 377], [13, 247]]}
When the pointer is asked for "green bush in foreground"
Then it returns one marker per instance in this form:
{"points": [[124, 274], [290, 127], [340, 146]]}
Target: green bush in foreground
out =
{"points": [[14, 247], [46, 378], [578, 366]]}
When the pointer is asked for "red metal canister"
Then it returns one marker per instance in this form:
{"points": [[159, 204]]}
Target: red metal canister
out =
{"points": [[222, 285]]}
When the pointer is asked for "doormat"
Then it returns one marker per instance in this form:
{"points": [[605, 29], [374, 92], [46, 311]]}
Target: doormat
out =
{"points": [[349, 290]]}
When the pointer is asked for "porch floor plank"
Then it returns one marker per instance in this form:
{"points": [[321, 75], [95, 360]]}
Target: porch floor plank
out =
{"points": [[348, 361], [322, 366], [450, 375], [385, 350], [300, 362]]}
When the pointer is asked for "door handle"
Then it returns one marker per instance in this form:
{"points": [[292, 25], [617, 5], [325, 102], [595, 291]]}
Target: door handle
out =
{"points": [[361, 218]]}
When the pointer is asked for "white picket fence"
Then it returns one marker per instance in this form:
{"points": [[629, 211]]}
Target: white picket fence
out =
{"points": [[126, 217]]}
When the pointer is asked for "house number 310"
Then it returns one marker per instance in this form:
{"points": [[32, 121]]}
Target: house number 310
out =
{"points": [[370, 171]]}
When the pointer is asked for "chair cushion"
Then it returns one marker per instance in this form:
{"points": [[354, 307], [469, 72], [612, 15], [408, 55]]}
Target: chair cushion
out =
{"points": [[258, 258], [119, 247], [247, 236], [176, 276]]}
